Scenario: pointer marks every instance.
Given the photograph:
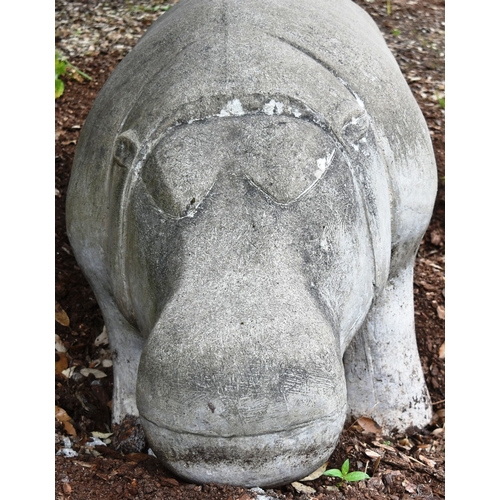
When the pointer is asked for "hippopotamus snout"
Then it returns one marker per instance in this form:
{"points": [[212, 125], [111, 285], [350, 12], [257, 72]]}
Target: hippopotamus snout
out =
{"points": [[225, 366]]}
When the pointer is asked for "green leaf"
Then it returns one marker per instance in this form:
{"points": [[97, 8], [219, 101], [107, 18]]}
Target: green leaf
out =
{"points": [[60, 67], [356, 476], [59, 88], [345, 467], [333, 473]]}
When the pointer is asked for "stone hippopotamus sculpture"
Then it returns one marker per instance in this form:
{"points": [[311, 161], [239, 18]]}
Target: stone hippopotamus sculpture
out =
{"points": [[247, 198]]}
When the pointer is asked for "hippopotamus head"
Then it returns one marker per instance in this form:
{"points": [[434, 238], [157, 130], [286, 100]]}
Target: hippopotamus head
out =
{"points": [[237, 269], [248, 226]]}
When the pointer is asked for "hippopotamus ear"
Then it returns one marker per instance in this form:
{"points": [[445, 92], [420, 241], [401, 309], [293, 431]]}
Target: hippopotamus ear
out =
{"points": [[356, 126], [126, 147]]}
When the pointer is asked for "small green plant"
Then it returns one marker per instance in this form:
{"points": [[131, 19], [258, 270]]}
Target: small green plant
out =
{"points": [[396, 32], [63, 67], [344, 475], [441, 102]]}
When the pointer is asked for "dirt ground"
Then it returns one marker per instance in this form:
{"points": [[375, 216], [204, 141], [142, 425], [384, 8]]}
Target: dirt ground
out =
{"points": [[96, 461]]}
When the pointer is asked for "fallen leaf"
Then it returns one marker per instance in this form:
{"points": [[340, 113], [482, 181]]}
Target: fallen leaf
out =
{"points": [[107, 363], [95, 363], [440, 311], [59, 345], [136, 457], [441, 351], [61, 316], [317, 473], [302, 488], [68, 373], [63, 417], [97, 373], [62, 363], [369, 425]]}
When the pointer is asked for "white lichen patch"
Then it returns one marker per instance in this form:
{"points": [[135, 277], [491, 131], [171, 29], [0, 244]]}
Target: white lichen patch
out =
{"points": [[273, 107], [323, 164], [232, 108]]}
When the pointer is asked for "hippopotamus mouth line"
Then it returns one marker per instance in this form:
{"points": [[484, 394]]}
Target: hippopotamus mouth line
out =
{"points": [[290, 429]]}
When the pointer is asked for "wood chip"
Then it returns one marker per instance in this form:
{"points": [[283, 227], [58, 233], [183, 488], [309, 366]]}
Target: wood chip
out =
{"points": [[302, 488], [441, 351], [168, 481], [83, 464], [384, 446], [372, 454], [427, 461], [440, 311]]}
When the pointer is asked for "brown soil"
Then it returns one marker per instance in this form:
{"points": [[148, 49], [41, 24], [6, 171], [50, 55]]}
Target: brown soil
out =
{"points": [[401, 466]]}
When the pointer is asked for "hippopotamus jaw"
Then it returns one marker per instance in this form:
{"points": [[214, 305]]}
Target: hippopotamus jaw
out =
{"points": [[247, 460]]}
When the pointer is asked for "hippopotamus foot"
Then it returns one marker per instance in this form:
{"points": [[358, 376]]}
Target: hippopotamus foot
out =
{"points": [[126, 345], [384, 376]]}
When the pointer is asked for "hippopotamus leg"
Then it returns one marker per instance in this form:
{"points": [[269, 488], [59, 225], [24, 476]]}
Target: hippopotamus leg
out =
{"points": [[383, 372], [126, 344]]}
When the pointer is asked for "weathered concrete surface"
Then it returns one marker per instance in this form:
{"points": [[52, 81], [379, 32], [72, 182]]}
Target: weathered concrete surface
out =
{"points": [[247, 198]]}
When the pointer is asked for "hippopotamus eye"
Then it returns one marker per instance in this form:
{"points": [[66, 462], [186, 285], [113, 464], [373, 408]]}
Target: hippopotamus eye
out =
{"points": [[285, 157], [179, 172]]}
